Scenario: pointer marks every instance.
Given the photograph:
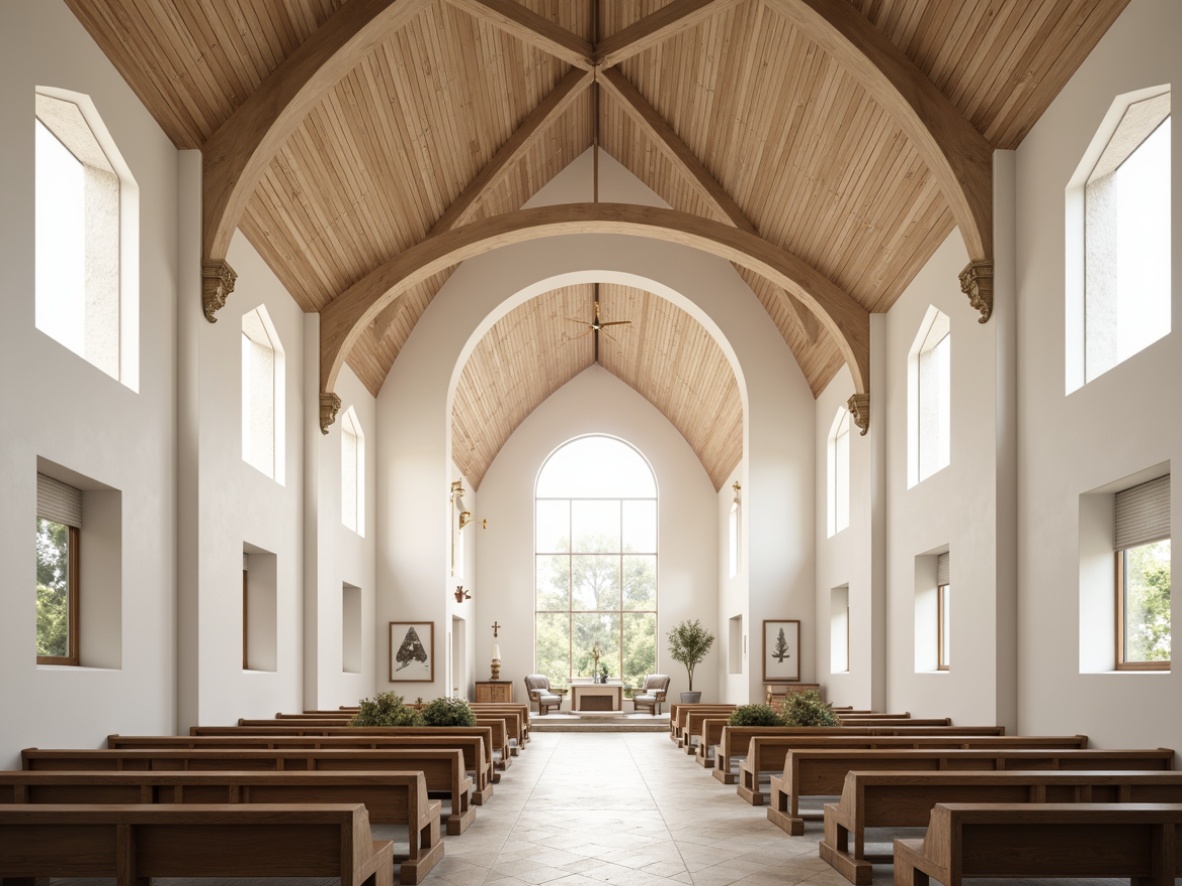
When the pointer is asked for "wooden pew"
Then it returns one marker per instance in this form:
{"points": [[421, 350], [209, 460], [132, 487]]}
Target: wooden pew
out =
{"points": [[498, 746], [497, 707], [846, 714], [479, 763], [818, 772], [905, 799], [443, 768], [735, 741], [135, 842], [1138, 841], [766, 755], [695, 727], [390, 797], [679, 711]]}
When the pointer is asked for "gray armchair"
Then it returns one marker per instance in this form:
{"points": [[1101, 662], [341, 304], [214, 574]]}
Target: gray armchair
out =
{"points": [[652, 693], [537, 688]]}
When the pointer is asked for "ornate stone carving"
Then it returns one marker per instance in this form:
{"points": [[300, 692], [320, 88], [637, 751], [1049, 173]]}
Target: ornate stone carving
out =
{"points": [[859, 407], [217, 282], [976, 281], [330, 405]]}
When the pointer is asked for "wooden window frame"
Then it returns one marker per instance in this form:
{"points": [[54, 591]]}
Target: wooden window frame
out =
{"points": [[941, 603], [1121, 664], [73, 583]]}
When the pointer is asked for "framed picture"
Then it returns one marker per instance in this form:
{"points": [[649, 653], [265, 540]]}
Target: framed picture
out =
{"points": [[412, 651], [781, 650]]}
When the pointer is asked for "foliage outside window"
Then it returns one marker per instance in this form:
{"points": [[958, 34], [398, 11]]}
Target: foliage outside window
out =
{"points": [[596, 563], [1143, 601], [1142, 528], [57, 593]]}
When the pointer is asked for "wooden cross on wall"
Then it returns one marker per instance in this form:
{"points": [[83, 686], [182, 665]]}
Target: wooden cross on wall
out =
{"points": [[496, 627]]}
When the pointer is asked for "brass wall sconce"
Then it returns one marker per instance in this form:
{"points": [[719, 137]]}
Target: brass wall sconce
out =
{"points": [[457, 500]]}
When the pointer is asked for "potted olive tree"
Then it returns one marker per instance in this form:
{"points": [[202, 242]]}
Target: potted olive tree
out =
{"points": [[688, 643]]}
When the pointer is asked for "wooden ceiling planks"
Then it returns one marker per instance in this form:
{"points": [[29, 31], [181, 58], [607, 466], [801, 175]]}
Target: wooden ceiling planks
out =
{"points": [[665, 355], [792, 138]]}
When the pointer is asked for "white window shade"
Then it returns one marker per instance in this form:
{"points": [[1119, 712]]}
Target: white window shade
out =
{"points": [[1143, 514], [58, 501]]}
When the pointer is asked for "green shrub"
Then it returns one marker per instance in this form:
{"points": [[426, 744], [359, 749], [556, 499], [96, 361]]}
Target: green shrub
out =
{"points": [[807, 709], [756, 715], [386, 709], [448, 712]]}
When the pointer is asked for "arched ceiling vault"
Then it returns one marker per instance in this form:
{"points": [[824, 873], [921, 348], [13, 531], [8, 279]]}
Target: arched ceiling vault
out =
{"points": [[849, 135], [662, 353]]}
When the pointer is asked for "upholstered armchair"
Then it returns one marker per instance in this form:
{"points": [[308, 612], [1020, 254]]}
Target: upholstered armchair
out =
{"points": [[652, 693], [537, 688]]}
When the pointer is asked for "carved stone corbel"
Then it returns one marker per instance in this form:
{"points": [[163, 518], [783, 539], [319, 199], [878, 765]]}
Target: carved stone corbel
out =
{"points": [[976, 281], [217, 282], [859, 407], [330, 405]]}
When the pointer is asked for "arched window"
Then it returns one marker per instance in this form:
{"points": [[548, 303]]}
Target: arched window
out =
{"points": [[352, 472], [929, 374], [85, 294], [596, 562], [839, 473], [262, 394]]}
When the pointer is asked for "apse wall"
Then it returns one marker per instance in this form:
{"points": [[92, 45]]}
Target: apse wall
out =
{"points": [[1121, 423], [58, 407], [594, 402]]}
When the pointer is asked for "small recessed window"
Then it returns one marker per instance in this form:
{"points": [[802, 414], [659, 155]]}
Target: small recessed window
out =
{"points": [[839, 473], [262, 394], [1143, 576], [352, 473], [930, 397], [85, 293]]}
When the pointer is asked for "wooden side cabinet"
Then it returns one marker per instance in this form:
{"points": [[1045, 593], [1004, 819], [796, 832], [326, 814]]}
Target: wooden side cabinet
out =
{"points": [[495, 691]]}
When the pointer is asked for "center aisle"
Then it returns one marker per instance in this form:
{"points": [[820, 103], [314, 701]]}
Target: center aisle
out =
{"points": [[623, 808]]}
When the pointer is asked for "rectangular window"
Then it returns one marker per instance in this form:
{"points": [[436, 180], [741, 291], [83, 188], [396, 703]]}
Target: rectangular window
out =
{"points": [[59, 521], [1143, 576]]}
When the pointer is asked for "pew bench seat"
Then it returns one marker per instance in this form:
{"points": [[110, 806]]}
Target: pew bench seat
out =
{"points": [[1139, 841], [134, 842], [905, 799], [822, 772], [398, 798]]}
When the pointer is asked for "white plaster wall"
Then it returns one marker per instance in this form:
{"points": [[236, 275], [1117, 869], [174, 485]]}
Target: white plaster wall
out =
{"points": [[1124, 421], [233, 503], [57, 406], [845, 558], [594, 402], [414, 422], [333, 553], [958, 507]]}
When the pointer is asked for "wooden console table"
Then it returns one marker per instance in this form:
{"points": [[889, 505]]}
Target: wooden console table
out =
{"points": [[597, 696], [780, 691], [500, 691]]}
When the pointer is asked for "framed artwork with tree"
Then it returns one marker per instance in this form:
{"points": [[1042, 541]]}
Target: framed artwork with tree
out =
{"points": [[412, 651], [781, 650]]}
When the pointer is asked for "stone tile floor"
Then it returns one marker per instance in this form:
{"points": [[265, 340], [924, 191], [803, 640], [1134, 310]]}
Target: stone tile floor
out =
{"points": [[584, 809]]}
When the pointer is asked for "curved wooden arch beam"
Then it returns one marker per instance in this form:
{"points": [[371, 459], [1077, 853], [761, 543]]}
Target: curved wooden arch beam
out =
{"points": [[235, 157], [958, 155], [343, 319]]}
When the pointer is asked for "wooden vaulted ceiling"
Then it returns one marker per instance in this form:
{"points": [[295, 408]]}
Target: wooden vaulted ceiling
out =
{"points": [[847, 136]]}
